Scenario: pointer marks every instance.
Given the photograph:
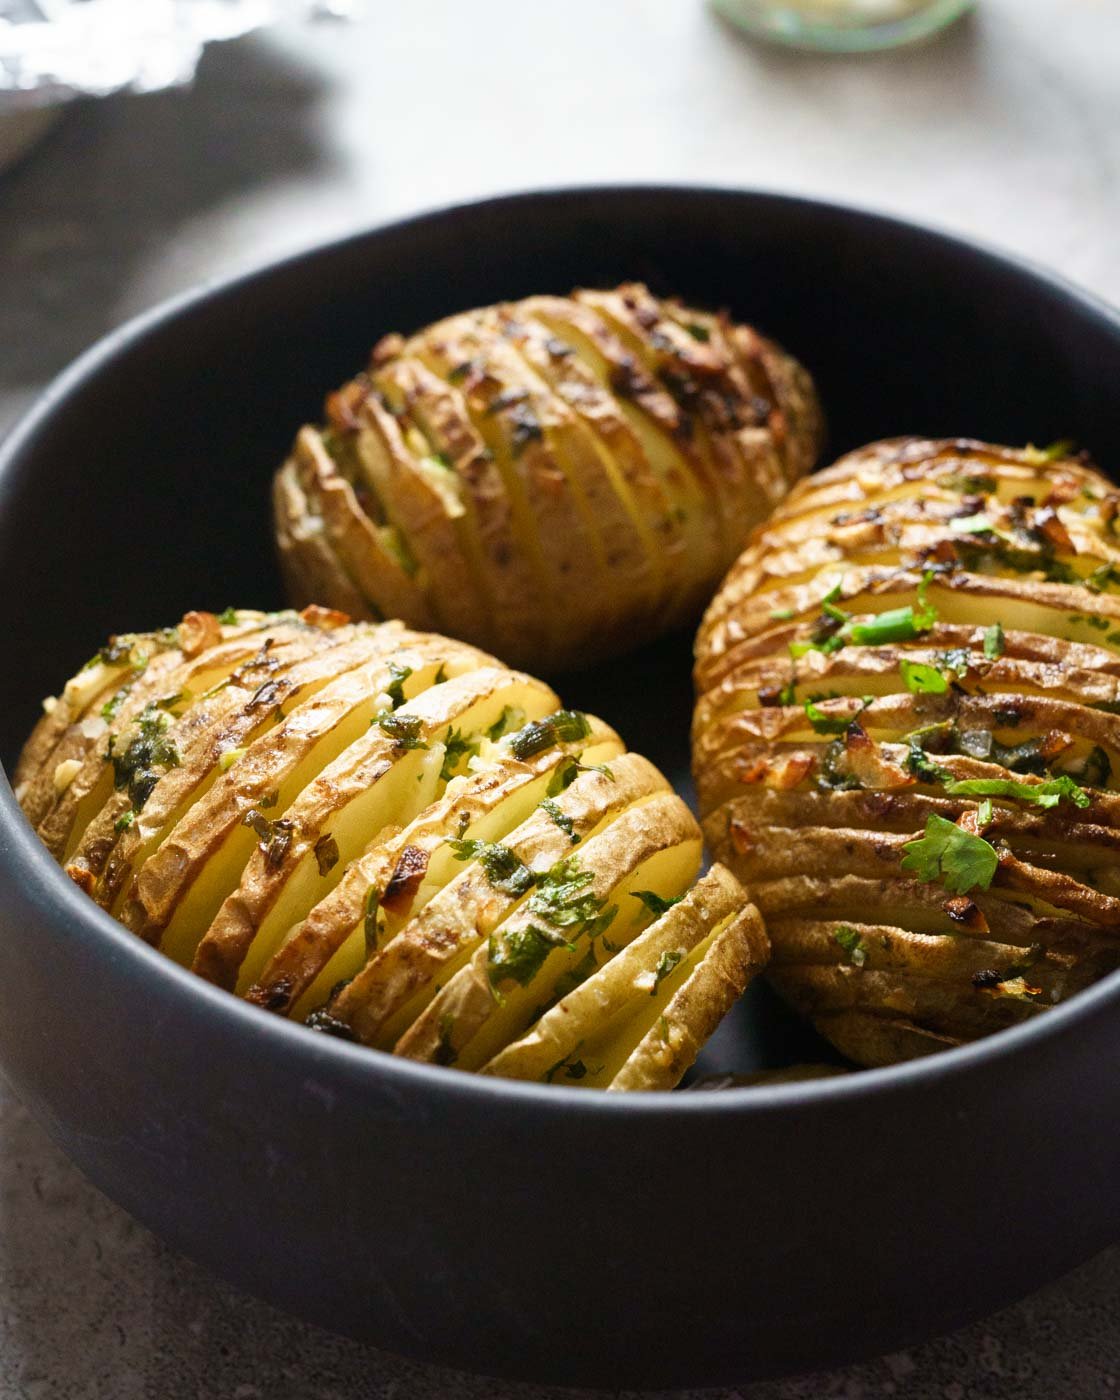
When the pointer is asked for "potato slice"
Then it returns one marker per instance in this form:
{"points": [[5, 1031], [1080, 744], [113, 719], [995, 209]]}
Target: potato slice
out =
{"points": [[497, 994], [168, 682], [308, 562], [619, 1003], [713, 976], [180, 888], [230, 722], [398, 984], [384, 777], [640, 541], [362, 548], [396, 879]]}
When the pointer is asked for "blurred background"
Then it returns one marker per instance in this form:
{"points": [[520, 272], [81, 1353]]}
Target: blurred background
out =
{"points": [[1005, 126]]}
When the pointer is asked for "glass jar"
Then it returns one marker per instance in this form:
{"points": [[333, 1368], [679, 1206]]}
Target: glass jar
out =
{"points": [[842, 26]]}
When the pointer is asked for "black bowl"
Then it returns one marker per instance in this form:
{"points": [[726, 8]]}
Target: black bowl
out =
{"points": [[529, 1231]]}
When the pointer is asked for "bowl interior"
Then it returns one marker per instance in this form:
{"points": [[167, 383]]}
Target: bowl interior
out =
{"points": [[139, 489]]}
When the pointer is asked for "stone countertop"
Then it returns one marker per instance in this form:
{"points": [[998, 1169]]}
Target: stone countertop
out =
{"points": [[1006, 128]]}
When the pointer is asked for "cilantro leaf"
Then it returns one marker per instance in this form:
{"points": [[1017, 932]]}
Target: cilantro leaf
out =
{"points": [[1044, 794], [518, 954], [921, 679], [665, 964], [395, 689], [504, 868], [654, 902], [993, 641], [560, 818], [948, 853]]}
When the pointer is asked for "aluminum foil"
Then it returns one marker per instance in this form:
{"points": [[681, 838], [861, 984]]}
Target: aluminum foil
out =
{"points": [[55, 50]]}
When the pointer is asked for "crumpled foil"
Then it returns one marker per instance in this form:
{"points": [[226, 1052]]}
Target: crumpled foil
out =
{"points": [[55, 50]]}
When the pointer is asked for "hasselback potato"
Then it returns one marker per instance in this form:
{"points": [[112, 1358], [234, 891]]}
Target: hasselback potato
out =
{"points": [[396, 839], [554, 479], [907, 739]]}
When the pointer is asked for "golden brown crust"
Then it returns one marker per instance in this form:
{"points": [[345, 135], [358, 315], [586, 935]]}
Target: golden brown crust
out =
{"points": [[553, 478], [925, 638]]}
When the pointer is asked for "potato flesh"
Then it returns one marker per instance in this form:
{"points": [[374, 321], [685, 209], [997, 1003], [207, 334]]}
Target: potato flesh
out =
{"points": [[358, 701], [1040, 697], [301, 770], [494, 1024], [409, 786], [609, 1013]]}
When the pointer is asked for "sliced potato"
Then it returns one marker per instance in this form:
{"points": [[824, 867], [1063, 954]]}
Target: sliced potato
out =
{"points": [[593, 1034], [553, 478], [361, 827], [908, 739]]}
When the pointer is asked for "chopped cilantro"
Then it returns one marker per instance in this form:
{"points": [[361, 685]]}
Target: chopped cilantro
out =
{"points": [[922, 766], [561, 819], [565, 726], [852, 943], [698, 332], [833, 724], [984, 813], [993, 641], [456, 748], [124, 821], [503, 867], [139, 767], [511, 718], [326, 853], [921, 679], [563, 776], [781, 614], [654, 902], [960, 860], [563, 898], [228, 617], [370, 920], [395, 689], [404, 730], [112, 705], [970, 485], [1044, 794], [518, 954], [665, 964], [274, 838]]}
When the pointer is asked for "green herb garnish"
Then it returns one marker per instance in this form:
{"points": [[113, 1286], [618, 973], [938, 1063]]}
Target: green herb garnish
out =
{"points": [[1044, 794], [504, 868], [654, 902], [228, 617], [822, 723], [993, 641], [921, 679], [326, 853], [518, 954], [512, 717], [456, 747], [563, 727], [665, 964], [404, 730], [561, 819], [850, 940], [370, 920], [960, 860], [395, 689]]}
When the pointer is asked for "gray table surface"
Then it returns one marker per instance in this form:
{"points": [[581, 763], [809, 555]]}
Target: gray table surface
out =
{"points": [[1007, 128]]}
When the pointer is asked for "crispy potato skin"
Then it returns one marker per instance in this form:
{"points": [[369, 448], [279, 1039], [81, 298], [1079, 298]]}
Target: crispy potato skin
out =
{"points": [[552, 479], [925, 636], [368, 829]]}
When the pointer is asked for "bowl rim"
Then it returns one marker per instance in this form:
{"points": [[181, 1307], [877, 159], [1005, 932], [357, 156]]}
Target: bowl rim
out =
{"points": [[360, 1065]]}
